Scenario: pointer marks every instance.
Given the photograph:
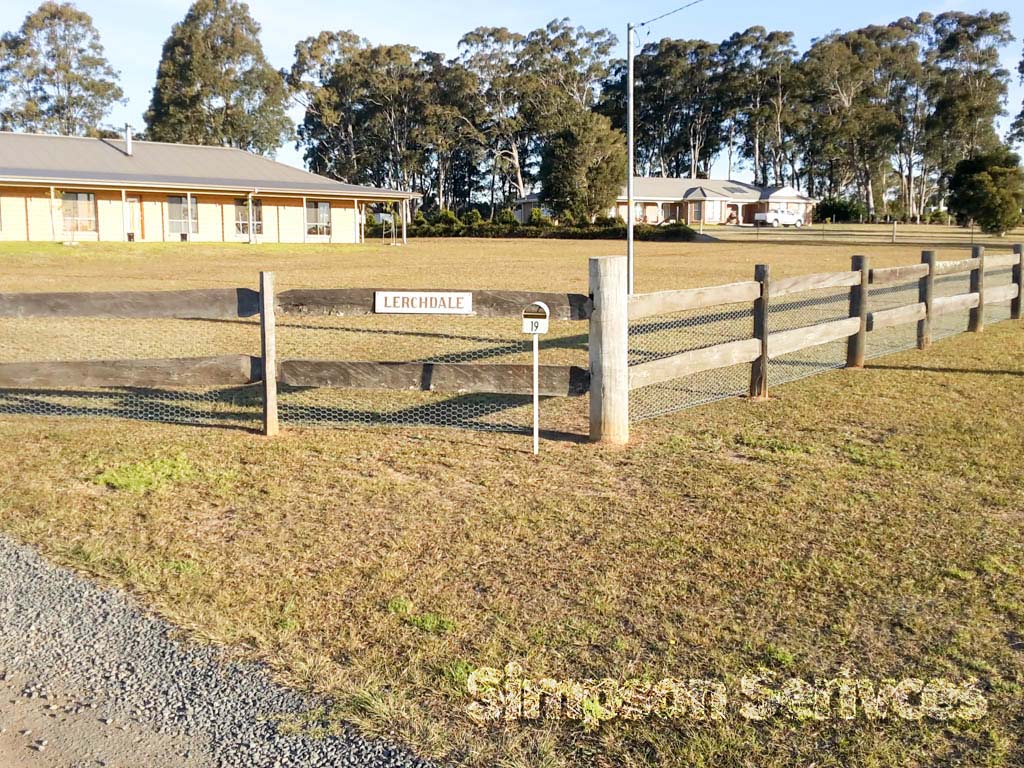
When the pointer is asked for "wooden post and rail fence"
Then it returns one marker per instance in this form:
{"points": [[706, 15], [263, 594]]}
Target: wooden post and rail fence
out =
{"points": [[608, 379]]}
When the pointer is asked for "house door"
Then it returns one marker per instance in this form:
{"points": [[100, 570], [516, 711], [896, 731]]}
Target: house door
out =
{"points": [[134, 223]]}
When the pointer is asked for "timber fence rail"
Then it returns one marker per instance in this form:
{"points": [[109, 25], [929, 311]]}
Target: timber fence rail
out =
{"points": [[141, 387], [266, 353], [693, 346]]}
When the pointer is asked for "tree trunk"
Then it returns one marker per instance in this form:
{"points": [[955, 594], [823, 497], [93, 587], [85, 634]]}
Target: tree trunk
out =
{"points": [[732, 137], [520, 185]]}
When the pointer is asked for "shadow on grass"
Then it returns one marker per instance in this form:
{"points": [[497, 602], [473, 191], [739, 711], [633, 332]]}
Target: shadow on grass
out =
{"points": [[471, 412], [239, 408], [933, 369], [222, 409]]}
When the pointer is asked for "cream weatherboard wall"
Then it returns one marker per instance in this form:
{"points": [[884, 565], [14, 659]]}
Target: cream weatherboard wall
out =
{"points": [[30, 214]]}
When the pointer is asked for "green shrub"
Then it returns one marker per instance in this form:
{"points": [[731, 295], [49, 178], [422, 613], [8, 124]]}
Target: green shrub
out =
{"points": [[840, 210], [669, 232], [538, 218], [472, 218], [446, 218]]}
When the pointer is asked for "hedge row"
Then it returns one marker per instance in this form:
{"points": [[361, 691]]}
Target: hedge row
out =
{"points": [[669, 232]]}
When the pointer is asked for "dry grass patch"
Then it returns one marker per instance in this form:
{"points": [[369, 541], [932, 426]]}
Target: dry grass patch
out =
{"points": [[866, 520]]}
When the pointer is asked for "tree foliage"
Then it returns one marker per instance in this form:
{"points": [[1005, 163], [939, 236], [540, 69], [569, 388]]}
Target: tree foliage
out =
{"points": [[989, 189], [54, 76], [883, 112], [1017, 129], [215, 86], [457, 129], [582, 167]]}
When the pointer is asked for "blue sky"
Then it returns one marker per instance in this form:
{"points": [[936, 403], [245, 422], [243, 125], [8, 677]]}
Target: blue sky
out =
{"points": [[133, 32]]}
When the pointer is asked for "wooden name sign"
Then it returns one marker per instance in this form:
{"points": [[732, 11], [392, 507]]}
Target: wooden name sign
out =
{"points": [[423, 302]]}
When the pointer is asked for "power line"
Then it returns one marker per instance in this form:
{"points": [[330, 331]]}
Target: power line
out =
{"points": [[664, 15]]}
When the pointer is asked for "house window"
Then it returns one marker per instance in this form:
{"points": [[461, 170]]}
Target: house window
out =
{"points": [[79, 211], [318, 218], [178, 220], [242, 216], [698, 211], [713, 212]]}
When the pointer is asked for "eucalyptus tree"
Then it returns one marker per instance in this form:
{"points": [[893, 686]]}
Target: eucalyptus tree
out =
{"points": [[851, 79], [758, 85], [326, 81], [214, 84], [680, 106], [1017, 129], [492, 55], [968, 83], [452, 115], [54, 74]]}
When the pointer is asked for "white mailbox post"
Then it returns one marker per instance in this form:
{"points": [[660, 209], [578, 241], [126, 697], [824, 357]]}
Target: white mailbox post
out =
{"points": [[535, 322]]}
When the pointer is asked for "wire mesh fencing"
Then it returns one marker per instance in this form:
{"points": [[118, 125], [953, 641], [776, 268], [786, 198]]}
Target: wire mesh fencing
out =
{"points": [[801, 311], [67, 339], [997, 278], [951, 323], [898, 338], [424, 339], [666, 336], [661, 336]]}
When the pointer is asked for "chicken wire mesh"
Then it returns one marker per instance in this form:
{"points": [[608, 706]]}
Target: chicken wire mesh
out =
{"points": [[424, 339], [654, 338], [997, 278], [800, 311], [897, 338], [34, 339], [951, 323]]}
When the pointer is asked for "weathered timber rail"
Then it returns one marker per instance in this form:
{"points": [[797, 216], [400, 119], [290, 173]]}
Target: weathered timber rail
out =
{"points": [[608, 379]]}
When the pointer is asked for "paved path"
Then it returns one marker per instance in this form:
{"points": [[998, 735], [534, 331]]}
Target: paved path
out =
{"points": [[88, 679]]}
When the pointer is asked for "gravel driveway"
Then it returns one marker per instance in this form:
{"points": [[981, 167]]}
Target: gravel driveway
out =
{"points": [[88, 679]]}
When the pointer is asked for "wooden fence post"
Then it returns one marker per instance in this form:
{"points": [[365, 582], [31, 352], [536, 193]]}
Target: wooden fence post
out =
{"points": [[1018, 280], [977, 317], [926, 295], [609, 351], [759, 368], [856, 345], [268, 351]]}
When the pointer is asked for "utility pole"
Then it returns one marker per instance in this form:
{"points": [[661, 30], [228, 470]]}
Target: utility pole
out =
{"points": [[630, 170], [630, 139]]}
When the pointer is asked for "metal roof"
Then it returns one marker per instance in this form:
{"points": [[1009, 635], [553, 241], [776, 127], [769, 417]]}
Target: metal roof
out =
{"points": [[663, 189], [65, 160]]}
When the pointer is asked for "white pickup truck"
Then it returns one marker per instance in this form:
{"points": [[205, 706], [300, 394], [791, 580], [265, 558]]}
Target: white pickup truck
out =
{"points": [[778, 218]]}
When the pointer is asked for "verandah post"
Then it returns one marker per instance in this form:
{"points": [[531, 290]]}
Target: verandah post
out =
{"points": [[1018, 280], [759, 368], [609, 350], [926, 295], [856, 345], [977, 317], [268, 352]]}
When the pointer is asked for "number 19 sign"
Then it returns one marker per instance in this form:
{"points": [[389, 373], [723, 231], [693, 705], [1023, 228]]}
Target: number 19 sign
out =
{"points": [[535, 322]]}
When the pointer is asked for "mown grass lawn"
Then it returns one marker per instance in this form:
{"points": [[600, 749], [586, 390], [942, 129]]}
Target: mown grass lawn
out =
{"points": [[866, 521]]}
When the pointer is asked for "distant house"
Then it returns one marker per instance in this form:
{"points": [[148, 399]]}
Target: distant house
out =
{"points": [[696, 201], [62, 188]]}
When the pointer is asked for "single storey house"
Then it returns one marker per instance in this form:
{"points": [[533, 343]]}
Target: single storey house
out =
{"points": [[64, 188], [696, 201]]}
